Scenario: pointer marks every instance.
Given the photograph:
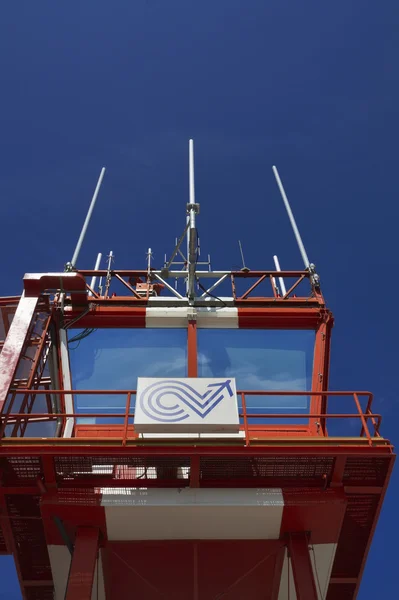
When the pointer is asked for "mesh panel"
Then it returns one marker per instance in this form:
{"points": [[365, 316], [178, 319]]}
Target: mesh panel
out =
{"points": [[20, 470], [28, 532], [122, 467], [284, 471], [355, 532], [23, 506], [366, 471], [78, 496]]}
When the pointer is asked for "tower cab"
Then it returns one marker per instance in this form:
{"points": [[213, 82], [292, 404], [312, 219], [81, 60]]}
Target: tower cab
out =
{"points": [[170, 432]]}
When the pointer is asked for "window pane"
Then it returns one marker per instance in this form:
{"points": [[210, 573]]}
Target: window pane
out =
{"points": [[114, 359], [261, 360]]}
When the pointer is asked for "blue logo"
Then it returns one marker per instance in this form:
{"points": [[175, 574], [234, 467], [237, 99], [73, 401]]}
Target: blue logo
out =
{"points": [[171, 400]]}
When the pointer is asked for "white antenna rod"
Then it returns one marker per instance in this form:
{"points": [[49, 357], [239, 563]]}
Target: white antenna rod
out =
{"points": [[149, 256], [87, 220], [109, 277], [191, 233], [96, 267], [191, 159], [292, 219], [280, 279]]}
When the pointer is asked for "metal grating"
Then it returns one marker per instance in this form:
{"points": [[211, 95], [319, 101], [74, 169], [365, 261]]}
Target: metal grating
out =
{"points": [[20, 470], [131, 468], [80, 496], [355, 532], [341, 591], [28, 532], [366, 471], [279, 470], [20, 506]]}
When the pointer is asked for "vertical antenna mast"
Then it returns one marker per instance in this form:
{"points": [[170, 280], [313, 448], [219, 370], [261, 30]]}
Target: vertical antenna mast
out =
{"points": [[149, 256], [192, 210], [75, 256], [109, 276]]}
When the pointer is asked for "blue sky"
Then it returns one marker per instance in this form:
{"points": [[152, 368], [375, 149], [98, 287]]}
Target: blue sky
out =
{"points": [[312, 87]]}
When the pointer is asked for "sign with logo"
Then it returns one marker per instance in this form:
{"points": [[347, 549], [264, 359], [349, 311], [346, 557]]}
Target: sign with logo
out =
{"points": [[187, 405]]}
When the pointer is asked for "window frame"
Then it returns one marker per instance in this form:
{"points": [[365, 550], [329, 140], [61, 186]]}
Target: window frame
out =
{"points": [[319, 380]]}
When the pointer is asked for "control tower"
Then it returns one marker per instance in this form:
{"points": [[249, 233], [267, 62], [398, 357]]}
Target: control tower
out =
{"points": [[168, 432]]}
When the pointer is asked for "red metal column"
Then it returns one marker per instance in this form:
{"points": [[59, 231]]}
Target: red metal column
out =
{"points": [[319, 378], [305, 584], [81, 575], [192, 349]]}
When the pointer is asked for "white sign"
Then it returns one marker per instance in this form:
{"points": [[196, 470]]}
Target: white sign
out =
{"points": [[190, 405]]}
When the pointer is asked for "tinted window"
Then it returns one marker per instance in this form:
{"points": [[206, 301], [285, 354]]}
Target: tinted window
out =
{"points": [[261, 360], [115, 358]]}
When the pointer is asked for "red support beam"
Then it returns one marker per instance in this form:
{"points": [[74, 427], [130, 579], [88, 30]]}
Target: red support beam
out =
{"points": [[305, 584], [14, 344], [277, 573], [192, 349], [195, 472], [318, 404], [81, 575]]}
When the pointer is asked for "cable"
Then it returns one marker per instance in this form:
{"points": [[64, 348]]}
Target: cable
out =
{"points": [[209, 293], [82, 335], [86, 310]]}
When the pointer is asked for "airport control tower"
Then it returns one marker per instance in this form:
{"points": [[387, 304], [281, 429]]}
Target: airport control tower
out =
{"points": [[168, 432]]}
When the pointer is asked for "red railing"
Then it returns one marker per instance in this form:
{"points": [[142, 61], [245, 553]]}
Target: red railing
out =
{"points": [[316, 428]]}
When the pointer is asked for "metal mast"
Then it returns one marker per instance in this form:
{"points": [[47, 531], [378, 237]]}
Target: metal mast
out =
{"points": [[192, 210], [75, 256]]}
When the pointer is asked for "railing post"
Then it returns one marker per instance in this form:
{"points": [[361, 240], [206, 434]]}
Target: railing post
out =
{"points": [[363, 420], [244, 410], [126, 423]]}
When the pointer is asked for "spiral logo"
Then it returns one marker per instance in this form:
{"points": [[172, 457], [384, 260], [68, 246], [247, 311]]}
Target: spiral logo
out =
{"points": [[172, 401]]}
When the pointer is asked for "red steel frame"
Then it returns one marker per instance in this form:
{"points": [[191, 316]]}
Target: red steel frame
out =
{"points": [[306, 312]]}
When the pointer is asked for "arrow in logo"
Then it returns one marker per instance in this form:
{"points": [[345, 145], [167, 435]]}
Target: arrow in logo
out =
{"points": [[219, 387]]}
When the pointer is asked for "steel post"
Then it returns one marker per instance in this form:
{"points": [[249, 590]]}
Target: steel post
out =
{"points": [[81, 575], [305, 584]]}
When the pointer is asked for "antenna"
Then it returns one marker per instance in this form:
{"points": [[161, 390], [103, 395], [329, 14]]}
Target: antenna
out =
{"points": [[280, 279], [244, 268], [108, 277], [192, 210], [314, 278], [149, 256], [96, 266], [75, 256], [292, 219]]}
